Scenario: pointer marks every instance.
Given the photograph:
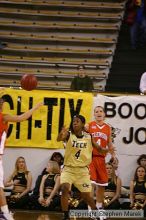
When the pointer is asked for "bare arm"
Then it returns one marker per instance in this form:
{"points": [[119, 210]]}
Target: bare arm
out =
{"points": [[86, 127], [41, 190], [111, 147], [64, 133], [22, 117], [9, 181], [131, 193]]}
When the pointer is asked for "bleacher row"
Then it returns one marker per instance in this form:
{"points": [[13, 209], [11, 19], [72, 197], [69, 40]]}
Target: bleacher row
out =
{"points": [[51, 38]]}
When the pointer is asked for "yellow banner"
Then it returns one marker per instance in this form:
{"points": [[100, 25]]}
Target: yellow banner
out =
{"points": [[41, 130]]}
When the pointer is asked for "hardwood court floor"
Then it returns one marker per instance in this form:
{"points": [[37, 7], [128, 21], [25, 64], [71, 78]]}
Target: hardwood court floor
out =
{"points": [[39, 215]]}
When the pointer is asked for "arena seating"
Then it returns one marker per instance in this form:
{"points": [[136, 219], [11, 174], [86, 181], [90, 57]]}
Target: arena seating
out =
{"points": [[51, 38]]}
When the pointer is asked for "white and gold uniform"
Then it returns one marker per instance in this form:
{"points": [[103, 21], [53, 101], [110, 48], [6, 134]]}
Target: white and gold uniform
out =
{"points": [[78, 156]]}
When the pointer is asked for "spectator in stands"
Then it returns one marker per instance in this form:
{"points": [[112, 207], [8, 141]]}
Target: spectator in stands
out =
{"points": [[57, 156], [136, 19], [49, 198], [115, 164], [113, 190], [138, 190], [141, 161], [82, 81], [33, 199], [142, 85], [21, 180]]}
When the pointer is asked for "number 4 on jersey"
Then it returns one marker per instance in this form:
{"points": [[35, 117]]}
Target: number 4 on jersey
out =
{"points": [[99, 142], [77, 155]]}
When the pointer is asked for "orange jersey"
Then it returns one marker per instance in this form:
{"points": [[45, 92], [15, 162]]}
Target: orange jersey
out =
{"points": [[101, 134], [3, 133]]}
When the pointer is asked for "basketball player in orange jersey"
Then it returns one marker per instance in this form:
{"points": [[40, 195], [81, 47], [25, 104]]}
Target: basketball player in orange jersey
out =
{"points": [[101, 132], [4, 119]]}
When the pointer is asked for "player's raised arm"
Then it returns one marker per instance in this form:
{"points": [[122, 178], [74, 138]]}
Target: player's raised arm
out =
{"points": [[22, 117], [86, 127], [63, 135]]}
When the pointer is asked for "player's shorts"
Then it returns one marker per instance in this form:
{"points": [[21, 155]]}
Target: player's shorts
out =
{"points": [[98, 173], [1, 173], [79, 176]]}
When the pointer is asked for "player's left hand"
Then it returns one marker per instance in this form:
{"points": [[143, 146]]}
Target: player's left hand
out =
{"points": [[38, 105], [63, 134], [112, 151]]}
